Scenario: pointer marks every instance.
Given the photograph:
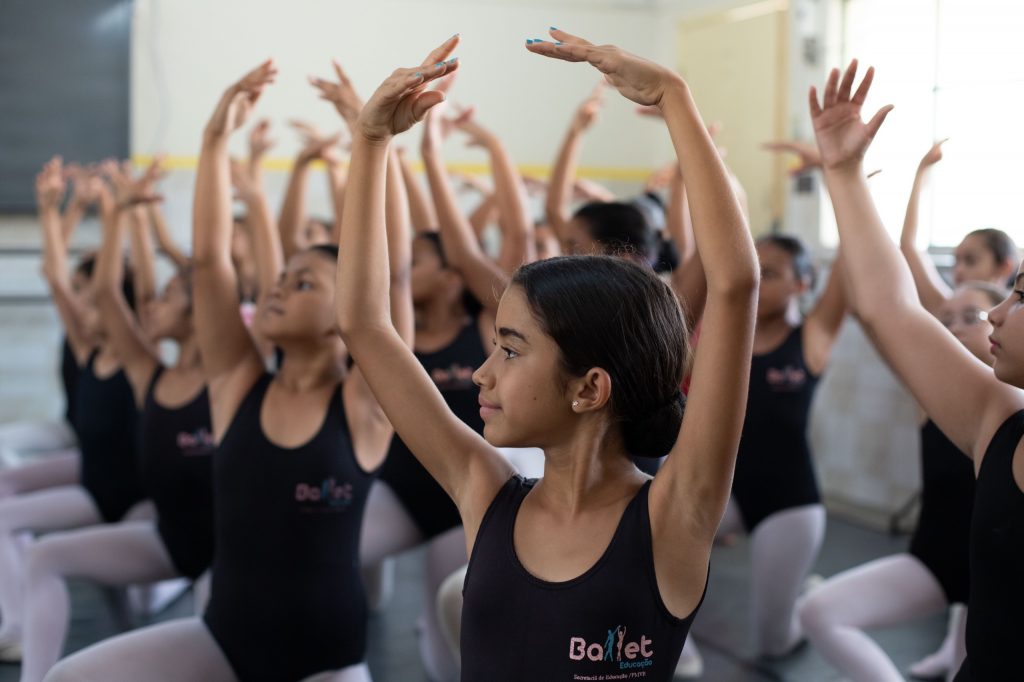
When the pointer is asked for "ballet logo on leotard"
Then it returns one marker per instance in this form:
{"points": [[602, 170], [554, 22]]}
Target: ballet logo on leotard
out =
{"points": [[452, 378], [329, 496], [198, 443], [633, 656], [787, 378]]}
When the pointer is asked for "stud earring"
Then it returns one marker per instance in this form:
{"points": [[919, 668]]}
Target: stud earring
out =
{"points": [[575, 403]]}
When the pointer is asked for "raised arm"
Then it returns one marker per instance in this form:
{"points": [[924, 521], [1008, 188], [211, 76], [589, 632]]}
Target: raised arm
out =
{"points": [[462, 250], [563, 175], [958, 391], [931, 288], [86, 186], [689, 493], [459, 459], [231, 360], [135, 351], [823, 322], [50, 187], [266, 244], [688, 280], [517, 245], [424, 217], [293, 208], [165, 242]]}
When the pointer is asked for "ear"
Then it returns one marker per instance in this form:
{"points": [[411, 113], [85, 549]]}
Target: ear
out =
{"points": [[590, 392]]}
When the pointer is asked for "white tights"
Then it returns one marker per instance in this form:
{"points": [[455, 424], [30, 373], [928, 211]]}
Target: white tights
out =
{"points": [[389, 530], [21, 438], [880, 593], [122, 554], [60, 469], [178, 651]]}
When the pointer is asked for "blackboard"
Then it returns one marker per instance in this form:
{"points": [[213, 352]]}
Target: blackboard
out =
{"points": [[64, 88]]}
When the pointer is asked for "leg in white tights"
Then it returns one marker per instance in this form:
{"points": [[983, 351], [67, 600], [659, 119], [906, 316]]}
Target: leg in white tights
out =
{"points": [[449, 610], [389, 530], [121, 554], [884, 592], [783, 549], [52, 472], [52, 509], [25, 437], [946, 661], [178, 651]]}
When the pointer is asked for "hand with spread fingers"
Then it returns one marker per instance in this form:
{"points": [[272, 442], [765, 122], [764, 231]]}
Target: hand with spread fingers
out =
{"points": [[237, 102], [843, 137], [315, 145], [50, 184], [259, 141], [637, 79], [403, 100], [129, 190], [342, 95]]}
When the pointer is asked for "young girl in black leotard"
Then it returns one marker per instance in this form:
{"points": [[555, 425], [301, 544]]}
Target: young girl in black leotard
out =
{"points": [[588, 360], [295, 457], [981, 414]]}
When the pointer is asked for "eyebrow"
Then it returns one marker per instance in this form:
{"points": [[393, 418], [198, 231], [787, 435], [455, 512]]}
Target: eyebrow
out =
{"points": [[506, 331]]}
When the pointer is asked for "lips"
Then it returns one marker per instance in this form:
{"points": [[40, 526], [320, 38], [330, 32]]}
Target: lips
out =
{"points": [[995, 344], [487, 408]]}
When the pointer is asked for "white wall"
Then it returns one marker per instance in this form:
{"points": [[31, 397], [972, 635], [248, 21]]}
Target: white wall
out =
{"points": [[186, 52]]}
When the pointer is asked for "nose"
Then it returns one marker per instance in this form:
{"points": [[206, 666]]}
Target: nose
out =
{"points": [[482, 377], [997, 315]]}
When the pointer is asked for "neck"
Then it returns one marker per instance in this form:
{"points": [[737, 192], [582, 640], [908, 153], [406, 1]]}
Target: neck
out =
{"points": [[188, 353], [591, 470], [773, 325], [308, 367], [438, 314]]}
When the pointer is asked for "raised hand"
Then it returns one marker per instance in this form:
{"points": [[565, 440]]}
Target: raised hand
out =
{"points": [[342, 95], [934, 155], [129, 191], [238, 101], [403, 100], [315, 144], [259, 140], [586, 113], [843, 137], [51, 184], [637, 79], [808, 157]]}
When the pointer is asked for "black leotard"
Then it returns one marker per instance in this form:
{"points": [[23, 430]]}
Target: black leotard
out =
{"points": [[69, 373], [106, 422], [177, 471], [942, 538], [451, 368], [518, 627], [994, 630], [287, 599], [774, 470]]}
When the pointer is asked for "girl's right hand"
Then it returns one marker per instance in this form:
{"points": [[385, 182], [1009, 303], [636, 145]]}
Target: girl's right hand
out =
{"points": [[238, 100], [402, 100]]}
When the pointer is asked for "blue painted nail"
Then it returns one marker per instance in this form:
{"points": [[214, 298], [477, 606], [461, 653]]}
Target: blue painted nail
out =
{"points": [[453, 60], [418, 74], [529, 41], [559, 43], [537, 40], [553, 28]]}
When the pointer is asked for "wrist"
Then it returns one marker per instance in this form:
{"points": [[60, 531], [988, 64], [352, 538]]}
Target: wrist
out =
{"points": [[849, 170], [675, 92]]}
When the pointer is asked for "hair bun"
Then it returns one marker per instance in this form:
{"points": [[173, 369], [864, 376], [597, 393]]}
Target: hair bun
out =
{"points": [[654, 434]]}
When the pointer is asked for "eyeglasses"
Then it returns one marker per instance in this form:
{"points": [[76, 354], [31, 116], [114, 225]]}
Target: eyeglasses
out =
{"points": [[969, 318]]}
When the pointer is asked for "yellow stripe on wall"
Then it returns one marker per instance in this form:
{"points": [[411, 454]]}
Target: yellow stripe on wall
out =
{"points": [[283, 164]]}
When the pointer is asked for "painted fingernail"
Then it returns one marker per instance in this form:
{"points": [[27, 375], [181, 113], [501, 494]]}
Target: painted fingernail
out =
{"points": [[453, 60], [529, 41], [537, 40], [554, 28], [559, 43], [418, 74]]}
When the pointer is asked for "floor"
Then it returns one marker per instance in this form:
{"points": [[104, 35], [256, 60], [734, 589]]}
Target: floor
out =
{"points": [[720, 628]]}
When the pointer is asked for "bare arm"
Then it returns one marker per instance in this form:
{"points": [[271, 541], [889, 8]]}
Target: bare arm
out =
{"points": [[266, 245], [50, 188], [336, 182], [517, 245], [483, 277], [822, 325], [231, 360], [688, 280], [424, 218], [134, 350], [931, 288], [163, 237], [563, 174], [963, 397], [484, 214], [143, 257], [459, 459]]}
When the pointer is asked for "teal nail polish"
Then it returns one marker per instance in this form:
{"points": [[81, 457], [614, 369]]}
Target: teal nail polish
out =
{"points": [[537, 40], [417, 74], [453, 60], [559, 43], [529, 41], [553, 28]]}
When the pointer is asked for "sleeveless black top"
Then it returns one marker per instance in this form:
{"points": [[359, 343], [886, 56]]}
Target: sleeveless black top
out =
{"points": [[287, 599], [609, 623], [774, 469], [177, 471], [106, 422], [995, 630], [943, 535], [451, 368]]}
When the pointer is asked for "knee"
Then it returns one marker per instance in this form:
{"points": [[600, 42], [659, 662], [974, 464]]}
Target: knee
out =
{"points": [[43, 559], [816, 614], [63, 672]]}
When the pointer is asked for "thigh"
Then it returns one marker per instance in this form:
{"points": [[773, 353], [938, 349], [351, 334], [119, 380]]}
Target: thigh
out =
{"points": [[112, 554], [445, 554], [353, 673], [52, 471], [883, 592], [387, 526], [36, 436], [178, 651], [783, 548], [51, 509]]}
